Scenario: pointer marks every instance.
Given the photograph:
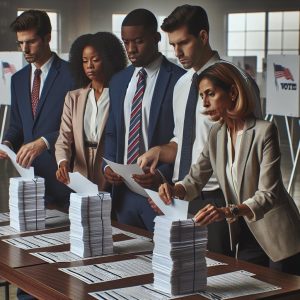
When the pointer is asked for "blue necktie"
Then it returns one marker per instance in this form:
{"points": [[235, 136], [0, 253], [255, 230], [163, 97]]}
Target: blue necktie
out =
{"points": [[189, 129]]}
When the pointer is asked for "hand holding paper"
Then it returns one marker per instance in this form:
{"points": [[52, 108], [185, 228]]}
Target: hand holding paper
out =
{"points": [[178, 209], [26, 173], [126, 171], [81, 184]]}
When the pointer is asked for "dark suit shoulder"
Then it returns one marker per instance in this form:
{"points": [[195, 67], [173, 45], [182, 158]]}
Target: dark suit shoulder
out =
{"points": [[172, 67], [121, 75], [21, 73]]}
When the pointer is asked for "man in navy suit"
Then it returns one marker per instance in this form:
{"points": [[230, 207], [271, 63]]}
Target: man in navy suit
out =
{"points": [[140, 37], [34, 127]]}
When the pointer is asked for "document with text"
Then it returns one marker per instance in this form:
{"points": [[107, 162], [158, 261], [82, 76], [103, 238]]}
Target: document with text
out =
{"points": [[96, 273], [126, 172]]}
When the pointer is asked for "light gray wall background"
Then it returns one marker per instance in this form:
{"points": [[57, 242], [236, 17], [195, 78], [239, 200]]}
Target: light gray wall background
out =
{"points": [[83, 16]]}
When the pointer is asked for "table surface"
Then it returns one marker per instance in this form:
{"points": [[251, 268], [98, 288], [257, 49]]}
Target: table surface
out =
{"points": [[45, 281]]}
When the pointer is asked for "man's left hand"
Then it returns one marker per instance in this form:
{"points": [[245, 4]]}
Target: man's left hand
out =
{"points": [[29, 152]]}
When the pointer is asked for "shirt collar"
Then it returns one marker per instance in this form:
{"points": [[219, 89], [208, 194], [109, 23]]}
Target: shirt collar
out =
{"points": [[152, 68], [45, 67]]}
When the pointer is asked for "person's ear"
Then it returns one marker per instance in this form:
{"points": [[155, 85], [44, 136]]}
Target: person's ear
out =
{"points": [[203, 35], [47, 38], [157, 37], [234, 93]]}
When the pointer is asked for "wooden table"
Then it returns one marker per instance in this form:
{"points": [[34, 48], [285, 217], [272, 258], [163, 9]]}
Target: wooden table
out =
{"points": [[45, 281]]}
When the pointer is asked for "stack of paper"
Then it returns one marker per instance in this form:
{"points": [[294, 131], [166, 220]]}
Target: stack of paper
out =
{"points": [[26, 203], [90, 230], [178, 262]]}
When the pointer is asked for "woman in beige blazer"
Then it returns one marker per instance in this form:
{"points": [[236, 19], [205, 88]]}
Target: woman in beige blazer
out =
{"points": [[94, 59], [244, 154]]}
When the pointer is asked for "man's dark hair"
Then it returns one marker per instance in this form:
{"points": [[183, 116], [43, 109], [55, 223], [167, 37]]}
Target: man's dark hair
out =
{"points": [[141, 17], [108, 47], [32, 19], [192, 16]]}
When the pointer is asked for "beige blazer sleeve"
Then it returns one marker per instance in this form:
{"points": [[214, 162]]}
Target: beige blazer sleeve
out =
{"points": [[198, 176], [63, 146]]}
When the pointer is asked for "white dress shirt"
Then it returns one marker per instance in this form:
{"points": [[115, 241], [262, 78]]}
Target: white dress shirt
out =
{"points": [[45, 68], [93, 115], [232, 168], [203, 124], [152, 74]]}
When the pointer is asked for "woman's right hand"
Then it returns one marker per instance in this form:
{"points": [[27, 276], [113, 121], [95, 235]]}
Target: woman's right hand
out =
{"points": [[62, 173], [167, 192]]}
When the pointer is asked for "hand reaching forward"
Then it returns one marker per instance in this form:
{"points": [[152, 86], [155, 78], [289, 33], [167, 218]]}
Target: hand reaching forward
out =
{"points": [[62, 173], [29, 152]]}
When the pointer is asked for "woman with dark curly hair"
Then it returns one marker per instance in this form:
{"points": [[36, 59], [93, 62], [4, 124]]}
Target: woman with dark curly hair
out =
{"points": [[94, 59]]}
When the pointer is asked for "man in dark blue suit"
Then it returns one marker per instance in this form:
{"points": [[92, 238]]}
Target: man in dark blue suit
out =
{"points": [[37, 103], [150, 79]]}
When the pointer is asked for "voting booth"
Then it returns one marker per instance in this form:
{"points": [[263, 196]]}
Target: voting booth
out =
{"points": [[10, 63], [283, 85], [283, 96]]}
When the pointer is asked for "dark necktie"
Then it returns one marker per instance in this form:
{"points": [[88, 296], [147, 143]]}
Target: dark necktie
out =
{"points": [[35, 93], [189, 129], [135, 132]]}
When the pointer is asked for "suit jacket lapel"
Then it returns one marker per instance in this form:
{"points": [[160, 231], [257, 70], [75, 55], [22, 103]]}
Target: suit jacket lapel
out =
{"points": [[245, 147], [27, 94], [122, 94], [53, 72], [81, 103], [221, 158], [158, 96]]}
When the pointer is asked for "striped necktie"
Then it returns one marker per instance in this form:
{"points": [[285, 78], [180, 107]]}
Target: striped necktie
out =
{"points": [[35, 93], [135, 134]]}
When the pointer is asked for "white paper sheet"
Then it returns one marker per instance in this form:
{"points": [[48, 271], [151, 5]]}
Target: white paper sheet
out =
{"points": [[145, 292], [121, 247], [7, 230], [116, 230], [110, 271], [40, 241], [26, 173], [132, 246], [126, 171], [212, 263], [178, 209], [81, 184], [4, 217], [54, 257], [235, 284]]}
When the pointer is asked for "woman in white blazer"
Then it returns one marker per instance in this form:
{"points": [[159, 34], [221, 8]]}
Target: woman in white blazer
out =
{"points": [[94, 59], [244, 154]]}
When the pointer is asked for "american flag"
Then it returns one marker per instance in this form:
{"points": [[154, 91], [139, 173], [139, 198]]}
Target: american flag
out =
{"points": [[280, 71], [8, 68]]}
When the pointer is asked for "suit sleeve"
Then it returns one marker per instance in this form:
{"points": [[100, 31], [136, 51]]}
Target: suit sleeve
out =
{"points": [[14, 133], [63, 146], [110, 144], [199, 175], [68, 85], [270, 180]]}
